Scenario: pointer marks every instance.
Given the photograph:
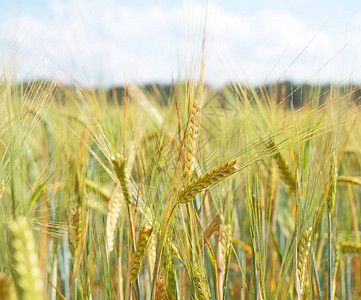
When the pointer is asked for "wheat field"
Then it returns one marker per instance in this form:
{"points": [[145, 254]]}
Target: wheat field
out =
{"points": [[179, 193]]}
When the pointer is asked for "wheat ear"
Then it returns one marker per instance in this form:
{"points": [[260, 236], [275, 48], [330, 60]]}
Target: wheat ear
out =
{"points": [[160, 292], [26, 272], [191, 141], [75, 230], [169, 251], [141, 247], [119, 162], [350, 179], [112, 219], [152, 253], [206, 180], [201, 286], [302, 259], [350, 247], [283, 166], [222, 254]]}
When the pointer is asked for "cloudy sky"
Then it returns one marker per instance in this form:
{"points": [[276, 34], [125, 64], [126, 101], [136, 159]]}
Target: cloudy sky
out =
{"points": [[108, 41]]}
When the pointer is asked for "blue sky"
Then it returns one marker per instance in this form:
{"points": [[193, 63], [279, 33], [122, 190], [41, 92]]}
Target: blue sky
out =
{"points": [[146, 41]]}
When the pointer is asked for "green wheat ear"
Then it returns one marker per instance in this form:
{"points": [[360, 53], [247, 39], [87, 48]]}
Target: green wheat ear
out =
{"points": [[26, 272]]}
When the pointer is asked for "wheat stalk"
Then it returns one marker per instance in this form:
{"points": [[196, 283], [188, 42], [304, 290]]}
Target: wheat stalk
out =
{"points": [[333, 180]]}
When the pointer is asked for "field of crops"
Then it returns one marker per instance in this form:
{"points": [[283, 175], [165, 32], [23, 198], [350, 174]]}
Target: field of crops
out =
{"points": [[185, 193]]}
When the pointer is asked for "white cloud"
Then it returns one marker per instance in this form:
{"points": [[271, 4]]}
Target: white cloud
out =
{"points": [[105, 40]]}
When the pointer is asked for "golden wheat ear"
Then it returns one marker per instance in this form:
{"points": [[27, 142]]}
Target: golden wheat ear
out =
{"points": [[302, 259], [206, 180], [141, 247]]}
